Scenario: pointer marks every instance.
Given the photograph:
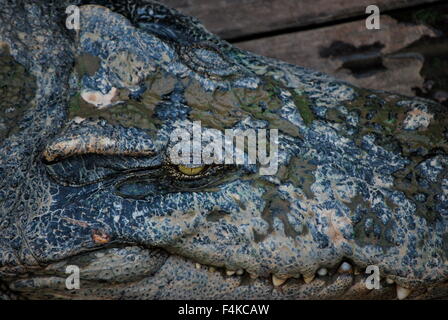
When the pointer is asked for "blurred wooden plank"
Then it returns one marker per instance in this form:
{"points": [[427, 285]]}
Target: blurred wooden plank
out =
{"points": [[367, 58], [238, 18]]}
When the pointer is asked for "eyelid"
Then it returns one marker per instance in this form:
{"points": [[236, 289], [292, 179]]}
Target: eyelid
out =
{"points": [[103, 140], [103, 145]]}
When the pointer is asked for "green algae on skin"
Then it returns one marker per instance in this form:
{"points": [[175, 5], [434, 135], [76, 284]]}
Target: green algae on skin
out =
{"points": [[17, 91], [381, 114], [223, 109], [87, 64], [128, 112], [303, 107]]}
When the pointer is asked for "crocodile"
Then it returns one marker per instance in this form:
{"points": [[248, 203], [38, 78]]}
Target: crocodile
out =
{"points": [[86, 182]]}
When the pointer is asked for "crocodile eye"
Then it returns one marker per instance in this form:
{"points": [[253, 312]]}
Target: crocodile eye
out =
{"points": [[190, 171]]}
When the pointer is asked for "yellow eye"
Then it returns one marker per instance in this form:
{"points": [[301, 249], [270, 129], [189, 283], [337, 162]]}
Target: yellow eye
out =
{"points": [[190, 171]]}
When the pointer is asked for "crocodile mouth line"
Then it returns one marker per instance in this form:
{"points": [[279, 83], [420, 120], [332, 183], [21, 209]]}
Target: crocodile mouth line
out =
{"points": [[355, 278], [361, 279], [323, 273], [346, 267]]}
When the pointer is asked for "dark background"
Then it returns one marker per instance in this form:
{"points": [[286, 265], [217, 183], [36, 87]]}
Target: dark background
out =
{"points": [[408, 55]]}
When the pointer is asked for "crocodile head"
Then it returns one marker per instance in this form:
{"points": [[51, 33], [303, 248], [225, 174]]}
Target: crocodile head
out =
{"points": [[359, 178]]}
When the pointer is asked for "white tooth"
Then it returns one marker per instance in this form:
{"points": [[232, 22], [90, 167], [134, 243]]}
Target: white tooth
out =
{"points": [[402, 293], [230, 273], [277, 281], [240, 272], [308, 279], [390, 281], [198, 266], [322, 272], [345, 267], [212, 269], [253, 276]]}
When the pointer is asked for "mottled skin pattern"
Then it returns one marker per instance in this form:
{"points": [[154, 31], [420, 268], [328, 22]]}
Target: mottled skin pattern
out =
{"points": [[363, 176]]}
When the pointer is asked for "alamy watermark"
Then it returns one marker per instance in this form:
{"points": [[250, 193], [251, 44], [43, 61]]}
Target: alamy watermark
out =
{"points": [[199, 146], [72, 282], [373, 280], [373, 21], [72, 21]]}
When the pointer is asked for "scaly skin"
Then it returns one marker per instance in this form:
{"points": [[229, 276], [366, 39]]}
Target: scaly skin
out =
{"points": [[362, 179]]}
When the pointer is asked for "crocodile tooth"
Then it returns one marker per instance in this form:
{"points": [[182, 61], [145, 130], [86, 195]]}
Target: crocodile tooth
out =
{"points": [[230, 272], [308, 279], [212, 269], [198, 266], [345, 268], [253, 276], [322, 272], [402, 293], [277, 281], [390, 281], [240, 272]]}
